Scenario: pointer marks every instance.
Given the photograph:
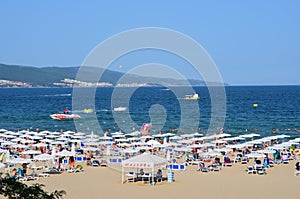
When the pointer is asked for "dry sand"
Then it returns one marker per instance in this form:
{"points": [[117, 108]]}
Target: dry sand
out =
{"points": [[230, 182]]}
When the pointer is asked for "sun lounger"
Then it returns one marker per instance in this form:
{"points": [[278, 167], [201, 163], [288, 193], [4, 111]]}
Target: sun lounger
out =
{"points": [[95, 163], [103, 163], [260, 169], [146, 177], [244, 160], [213, 167], [251, 170], [130, 177], [43, 174]]}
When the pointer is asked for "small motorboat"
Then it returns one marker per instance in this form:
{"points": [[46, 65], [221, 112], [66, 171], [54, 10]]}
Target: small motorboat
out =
{"points": [[192, 97], [63, 116], [120, 108]]}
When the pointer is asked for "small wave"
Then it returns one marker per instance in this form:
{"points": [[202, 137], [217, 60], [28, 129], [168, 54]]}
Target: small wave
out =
{"points": [[102, 110], [59, 95]]}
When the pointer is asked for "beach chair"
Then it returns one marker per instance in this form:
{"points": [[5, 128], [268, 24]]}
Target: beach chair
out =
{"points": [[78, 159], [103, 163], [146, 177], [227, 162], [130, 177], [285, 159], [182, 167], [43, 174], [213, 167], [244, 160], [260, 169], [238, 158], [174, 166], [251, 170], [202, 168], [95, 163]]}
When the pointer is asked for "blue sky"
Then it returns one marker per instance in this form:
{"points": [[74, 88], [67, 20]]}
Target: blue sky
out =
{"points": [[252, 42]]}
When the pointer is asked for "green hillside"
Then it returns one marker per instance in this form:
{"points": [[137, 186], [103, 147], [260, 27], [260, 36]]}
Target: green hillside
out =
{"points": [[46, 76]]}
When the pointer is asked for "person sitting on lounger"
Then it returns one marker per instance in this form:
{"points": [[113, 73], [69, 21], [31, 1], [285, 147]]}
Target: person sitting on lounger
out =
{"points": [[159, 175], [141, 172]]}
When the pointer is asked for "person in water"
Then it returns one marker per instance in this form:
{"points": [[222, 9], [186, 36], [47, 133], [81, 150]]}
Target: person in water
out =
{"points": [[66, 111]]}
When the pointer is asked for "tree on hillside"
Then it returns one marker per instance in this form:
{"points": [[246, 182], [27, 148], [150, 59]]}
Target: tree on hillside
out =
{"points": [[13, 189]]}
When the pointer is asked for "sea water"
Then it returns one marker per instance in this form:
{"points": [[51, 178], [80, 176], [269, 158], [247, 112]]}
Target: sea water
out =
{"points": [[277, 111]]}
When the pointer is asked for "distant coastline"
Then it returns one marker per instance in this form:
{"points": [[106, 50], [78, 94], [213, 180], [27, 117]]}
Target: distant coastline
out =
{"points": [[13, 76]]}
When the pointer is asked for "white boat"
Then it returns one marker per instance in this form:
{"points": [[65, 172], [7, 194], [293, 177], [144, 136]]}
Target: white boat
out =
{"points": [[63, 116], [192, 97], [120, 108]]}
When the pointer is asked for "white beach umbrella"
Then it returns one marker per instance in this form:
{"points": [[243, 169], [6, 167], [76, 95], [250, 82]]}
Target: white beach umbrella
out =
{"points": [[16, 139], [36, 137], [218, 142], [57, 143], [255, 155], [146, 137], [267, 151], [46, 140], [212, 154], [135, 133], [19, 146], [104, 143], [13, 133], [130, 151], [91, 149], [168, 134], [185, 141], [54, 133], [52, 136], [144, 148], [124, 144], [27, 141], [236, 146], [65, 153], [39, 145], [6, 143], [249, 135], [19, 161], [196, 146], [153, 143], [105, 138], [176, 137], [31, 152], [43, 157], [8, 136]]}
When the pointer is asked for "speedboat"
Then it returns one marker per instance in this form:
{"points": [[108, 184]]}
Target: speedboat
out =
{"points": [[120, 108], [63, 116], [192, 97]]}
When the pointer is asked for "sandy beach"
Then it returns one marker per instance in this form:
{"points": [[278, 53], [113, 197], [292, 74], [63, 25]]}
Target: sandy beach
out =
{"points": [[230, 182]]}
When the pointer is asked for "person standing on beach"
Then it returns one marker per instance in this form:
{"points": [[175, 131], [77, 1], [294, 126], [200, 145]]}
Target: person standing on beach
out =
{"points": [[88, 158]]}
